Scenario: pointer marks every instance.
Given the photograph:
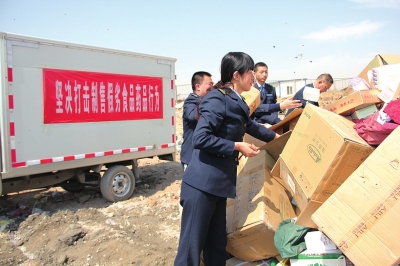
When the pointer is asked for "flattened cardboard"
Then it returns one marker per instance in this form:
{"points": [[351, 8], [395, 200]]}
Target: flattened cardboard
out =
{"points": [[288, 122], [357, 100], [261, 204], [379, 60], [230, 214], [252, 98], [362, 216]]}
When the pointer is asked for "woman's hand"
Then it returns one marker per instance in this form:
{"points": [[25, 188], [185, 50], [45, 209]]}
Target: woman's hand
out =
{"points": [[248, 150]]}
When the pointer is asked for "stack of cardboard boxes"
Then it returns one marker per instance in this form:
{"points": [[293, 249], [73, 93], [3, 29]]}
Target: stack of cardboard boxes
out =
{"points": [[322, 172]]}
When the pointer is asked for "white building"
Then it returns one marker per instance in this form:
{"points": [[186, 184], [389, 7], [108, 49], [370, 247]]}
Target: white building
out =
{"points": [[283, 87]]}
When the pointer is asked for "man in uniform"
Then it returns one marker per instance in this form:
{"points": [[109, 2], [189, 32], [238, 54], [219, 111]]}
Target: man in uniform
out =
{"points": [[267, 112], [323, 83], [201, 84]]}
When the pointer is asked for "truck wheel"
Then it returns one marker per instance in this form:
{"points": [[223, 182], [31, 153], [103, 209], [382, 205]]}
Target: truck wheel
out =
{"points": [[72, 185], [117, 183]]}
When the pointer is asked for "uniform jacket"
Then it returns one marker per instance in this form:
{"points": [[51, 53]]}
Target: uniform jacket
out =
{"points": [[267, 111], [224, 120], [299, 96], [189, 120]]}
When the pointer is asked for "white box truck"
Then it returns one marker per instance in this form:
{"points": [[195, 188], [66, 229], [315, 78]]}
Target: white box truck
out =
{"points": [[75, 115]]}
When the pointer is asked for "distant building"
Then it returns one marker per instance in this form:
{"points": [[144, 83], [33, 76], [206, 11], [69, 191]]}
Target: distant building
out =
{"points": [[283, 87]]}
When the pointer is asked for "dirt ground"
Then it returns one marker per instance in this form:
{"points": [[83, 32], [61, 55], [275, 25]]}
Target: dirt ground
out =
{"points": [[56, 227], [85, 229]]}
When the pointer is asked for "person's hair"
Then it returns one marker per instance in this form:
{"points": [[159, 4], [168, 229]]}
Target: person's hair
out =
{"points": [[326, 78], [259, 64], [198, 78], [232, 62]]}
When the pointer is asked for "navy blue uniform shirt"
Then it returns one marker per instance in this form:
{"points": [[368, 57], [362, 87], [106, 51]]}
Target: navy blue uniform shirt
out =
{"points": [[224, 119], [267, 111], [189, 120]]}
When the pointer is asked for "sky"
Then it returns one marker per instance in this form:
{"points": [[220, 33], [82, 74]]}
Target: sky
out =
{"points": [[338, 37]]}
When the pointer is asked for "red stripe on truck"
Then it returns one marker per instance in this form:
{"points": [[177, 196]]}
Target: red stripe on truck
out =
{"points": [[11, 101], [13, 155], [10, 74], [12, 129], [19, 164], [47, 160], [69, 158]]}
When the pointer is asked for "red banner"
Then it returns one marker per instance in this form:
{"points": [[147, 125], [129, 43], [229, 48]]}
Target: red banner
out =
{"points": [[77, 96]]}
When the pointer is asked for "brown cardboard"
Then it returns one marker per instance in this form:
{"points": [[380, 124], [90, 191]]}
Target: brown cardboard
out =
{"points": [[379, 60], [362, 216], [287, 123], [353, 102], [322, 151], [261, 204], [230, 214], [252, 98], [347, 91]]}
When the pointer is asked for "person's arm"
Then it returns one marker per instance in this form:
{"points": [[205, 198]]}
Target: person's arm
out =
{"points": [[260, 132], [190, 108], [266, 109], [290, 103]]}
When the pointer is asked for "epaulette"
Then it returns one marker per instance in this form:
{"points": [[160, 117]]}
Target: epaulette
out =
{"points": [[222, 91], [195, 95]]}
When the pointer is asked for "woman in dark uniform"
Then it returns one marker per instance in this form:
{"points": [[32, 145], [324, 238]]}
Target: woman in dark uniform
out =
{"points": [[210, 177]]}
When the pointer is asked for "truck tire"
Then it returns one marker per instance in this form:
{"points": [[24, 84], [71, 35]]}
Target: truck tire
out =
{"points": [[117, 183]]}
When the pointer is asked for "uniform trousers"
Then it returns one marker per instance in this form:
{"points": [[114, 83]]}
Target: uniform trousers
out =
{"points": [[203, 228]]}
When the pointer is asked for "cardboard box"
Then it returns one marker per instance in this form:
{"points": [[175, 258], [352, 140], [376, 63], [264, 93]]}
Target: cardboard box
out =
{"points": [[362, 216], [252, 98], [379, 60], [364, 112], [322, 151], [261, 204], [326, 98], [331, 258], [353, 102], [287, 123], [304, 206]]}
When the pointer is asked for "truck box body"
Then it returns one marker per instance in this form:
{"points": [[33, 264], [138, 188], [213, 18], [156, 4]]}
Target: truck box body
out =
{"points": [[68, 106]]}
